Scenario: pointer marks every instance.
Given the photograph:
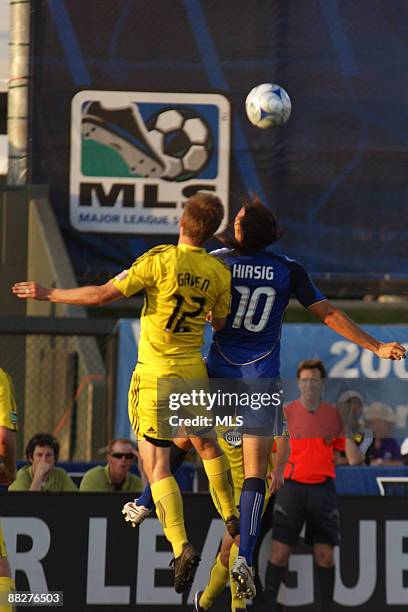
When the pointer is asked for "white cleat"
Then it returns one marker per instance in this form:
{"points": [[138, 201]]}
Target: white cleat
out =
{"points": [[243, 575], [135, 514]]}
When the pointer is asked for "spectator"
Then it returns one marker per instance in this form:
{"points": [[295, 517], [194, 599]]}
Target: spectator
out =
{"points": [[41, 474], [404, 451], [384, 450], [115, 475], [316, 433], [8, 428], [350, 405]]}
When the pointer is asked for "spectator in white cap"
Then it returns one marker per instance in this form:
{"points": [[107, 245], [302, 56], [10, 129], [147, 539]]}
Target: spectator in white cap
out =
{"points": [[384, 450]]}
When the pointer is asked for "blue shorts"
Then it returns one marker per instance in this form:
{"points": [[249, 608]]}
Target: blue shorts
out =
{"points": [[220, 366], [253, 382]]}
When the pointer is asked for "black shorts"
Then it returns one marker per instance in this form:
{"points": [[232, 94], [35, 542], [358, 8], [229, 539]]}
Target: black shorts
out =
{"points": [[315, 504]]}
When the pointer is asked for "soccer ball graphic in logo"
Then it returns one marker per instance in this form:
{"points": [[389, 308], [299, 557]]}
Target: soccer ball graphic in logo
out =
{"points": [[268, 105], [183, 139]]}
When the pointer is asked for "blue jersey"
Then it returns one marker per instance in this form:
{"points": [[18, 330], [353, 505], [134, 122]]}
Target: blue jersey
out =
{"points": [[262, 284]]}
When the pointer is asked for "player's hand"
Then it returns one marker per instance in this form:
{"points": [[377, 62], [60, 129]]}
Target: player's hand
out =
{"points": [[276, 480], [391, 350], [30, 289], [43, 468]]}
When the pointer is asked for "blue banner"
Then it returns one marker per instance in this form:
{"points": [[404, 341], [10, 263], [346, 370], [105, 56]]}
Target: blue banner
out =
{"points": [[348, 366]]}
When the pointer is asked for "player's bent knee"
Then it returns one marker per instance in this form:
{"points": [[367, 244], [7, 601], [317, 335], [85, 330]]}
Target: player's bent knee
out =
{"points": [[224, 556], [280, 553], [207, 448]]}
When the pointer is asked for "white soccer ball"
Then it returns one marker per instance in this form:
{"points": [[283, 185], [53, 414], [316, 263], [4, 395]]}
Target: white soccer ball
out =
{"points": [[268, 105], [183, 140]]}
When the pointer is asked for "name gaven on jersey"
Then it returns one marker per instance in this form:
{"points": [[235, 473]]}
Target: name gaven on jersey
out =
{"points": [[250, 271], [185, 279]]}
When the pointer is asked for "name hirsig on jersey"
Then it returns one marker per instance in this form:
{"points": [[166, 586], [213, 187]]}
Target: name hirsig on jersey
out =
{"points": [[250, 271]]}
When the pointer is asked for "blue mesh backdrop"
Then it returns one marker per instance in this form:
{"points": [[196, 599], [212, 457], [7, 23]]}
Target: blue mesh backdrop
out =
{"points": [[335, 174]]}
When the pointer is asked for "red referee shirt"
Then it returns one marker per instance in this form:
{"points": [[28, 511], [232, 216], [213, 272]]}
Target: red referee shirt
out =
{"points": [[314, 436]]}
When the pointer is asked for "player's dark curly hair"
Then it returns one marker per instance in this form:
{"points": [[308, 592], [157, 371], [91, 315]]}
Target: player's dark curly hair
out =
{"points": [[42, 439], [259, 226]]}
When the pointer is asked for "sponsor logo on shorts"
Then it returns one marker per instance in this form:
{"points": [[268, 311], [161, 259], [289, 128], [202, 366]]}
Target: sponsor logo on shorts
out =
{"points": [[233, 437]]}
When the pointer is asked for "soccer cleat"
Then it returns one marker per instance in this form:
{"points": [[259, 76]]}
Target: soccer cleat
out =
{"points": [[243, 575], [185, 567], [135, 514], [232, 525], [196, 603]]}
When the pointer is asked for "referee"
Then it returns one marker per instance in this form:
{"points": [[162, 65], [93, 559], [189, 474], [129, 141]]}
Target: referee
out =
{"points": [[308, 495]]}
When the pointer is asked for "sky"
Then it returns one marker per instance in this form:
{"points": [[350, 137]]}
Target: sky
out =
{"points": [[4, 39]]}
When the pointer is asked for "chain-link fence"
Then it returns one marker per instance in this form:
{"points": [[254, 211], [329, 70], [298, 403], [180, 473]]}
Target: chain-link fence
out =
{"points": [[64, 374]]}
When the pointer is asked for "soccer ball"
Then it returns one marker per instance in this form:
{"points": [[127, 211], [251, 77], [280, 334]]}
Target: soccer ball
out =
{"points": [[183, 139], [268, 105]]}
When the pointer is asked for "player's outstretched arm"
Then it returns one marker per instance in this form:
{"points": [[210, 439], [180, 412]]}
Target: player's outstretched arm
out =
{"points": [[339, 322], [91, 295]]}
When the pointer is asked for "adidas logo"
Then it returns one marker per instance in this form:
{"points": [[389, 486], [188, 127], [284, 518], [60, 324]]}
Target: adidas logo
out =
{"points": [[151, 430]]}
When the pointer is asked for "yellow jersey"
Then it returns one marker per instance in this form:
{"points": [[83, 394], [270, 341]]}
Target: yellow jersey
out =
{"points": [[182, 285], [8, 407]]}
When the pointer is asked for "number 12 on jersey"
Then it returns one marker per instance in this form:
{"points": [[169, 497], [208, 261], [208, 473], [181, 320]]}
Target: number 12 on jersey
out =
{"points": [[180, 315]]}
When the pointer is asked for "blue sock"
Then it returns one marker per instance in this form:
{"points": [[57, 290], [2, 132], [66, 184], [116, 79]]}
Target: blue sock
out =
{"points": [[250, 506], [146, 498], [177, 456]]}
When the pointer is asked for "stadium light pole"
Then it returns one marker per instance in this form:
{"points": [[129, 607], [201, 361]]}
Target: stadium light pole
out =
{"points": [[17, 119]]}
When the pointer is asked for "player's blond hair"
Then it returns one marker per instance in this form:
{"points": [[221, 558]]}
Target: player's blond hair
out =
{"points": [[202, 216]]}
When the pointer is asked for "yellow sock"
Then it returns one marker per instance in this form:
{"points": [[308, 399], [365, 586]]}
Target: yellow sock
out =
{"points": [[222, 490], [236, 604], [169, 508], [219, 577], [6, 586]]}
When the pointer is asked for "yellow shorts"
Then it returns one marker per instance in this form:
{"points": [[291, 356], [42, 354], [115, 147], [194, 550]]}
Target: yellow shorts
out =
{"points": [[149, 416], [235, 458], [3, 551]]}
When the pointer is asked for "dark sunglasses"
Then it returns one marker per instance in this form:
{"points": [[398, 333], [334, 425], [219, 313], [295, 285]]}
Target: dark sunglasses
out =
{"points": [[121, 455]]}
